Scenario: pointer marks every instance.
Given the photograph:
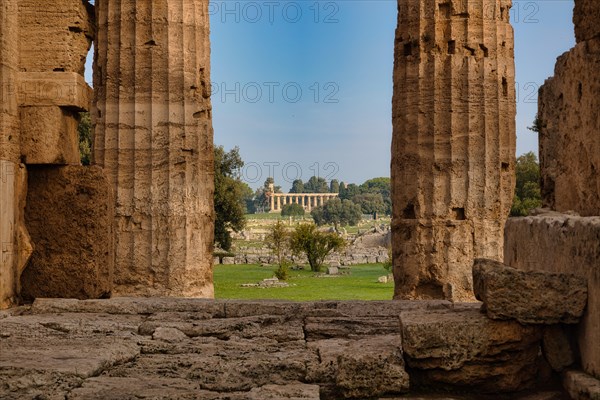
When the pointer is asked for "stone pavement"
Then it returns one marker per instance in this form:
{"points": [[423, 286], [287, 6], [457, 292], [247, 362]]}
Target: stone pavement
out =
{"points": [[158, 348]]}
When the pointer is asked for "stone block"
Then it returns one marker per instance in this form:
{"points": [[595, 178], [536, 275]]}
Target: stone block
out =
{"points": [[560, 243], [69, 215], [464, 348], [581, 386], [56, 37], [60, 89], [529, 297], [49, 136], [228, 260], [556, 345]]}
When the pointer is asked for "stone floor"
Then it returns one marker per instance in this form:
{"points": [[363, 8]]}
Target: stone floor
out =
{"points": [[197, 349]]}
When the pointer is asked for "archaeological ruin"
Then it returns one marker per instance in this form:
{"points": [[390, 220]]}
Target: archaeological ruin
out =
{"points": [[106, 270]]}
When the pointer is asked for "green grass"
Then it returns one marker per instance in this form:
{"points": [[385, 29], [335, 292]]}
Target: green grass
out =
{"points": [[361, 284]]}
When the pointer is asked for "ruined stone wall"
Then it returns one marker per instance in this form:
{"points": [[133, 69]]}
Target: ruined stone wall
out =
{"points": [[569, 105], [153, 138], [43, 47], [453, 146], [567, 244]]}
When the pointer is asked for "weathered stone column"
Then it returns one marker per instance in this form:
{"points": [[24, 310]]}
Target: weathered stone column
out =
{"points": [[278, 202], [453, 147], [15, 245], [154, 139], [272, 201]]}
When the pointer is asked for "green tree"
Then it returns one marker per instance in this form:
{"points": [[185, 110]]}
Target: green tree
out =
{"points": [[334, 186], [316, 185], [338, 213], [229, 196], [84, 129], [381, 186], [370, 203], [349, 192], [297, 186], [315, 245], [292, 210], [527, 191], [278, 241]]}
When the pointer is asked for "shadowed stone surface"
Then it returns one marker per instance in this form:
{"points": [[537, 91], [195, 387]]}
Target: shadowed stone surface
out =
{"points": [[529, 297], [453, 145], [450, 348], [69, 215]]}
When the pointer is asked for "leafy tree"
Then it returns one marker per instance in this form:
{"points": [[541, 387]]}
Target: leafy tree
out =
{"points": [[316, 185], [370, 203], [381, 186], [297, 186], [334, 186], [527, 193], [84, 129], [229, 195], [278, 241], [337, 212], [292, 210], [350, 191], [308, 240]]}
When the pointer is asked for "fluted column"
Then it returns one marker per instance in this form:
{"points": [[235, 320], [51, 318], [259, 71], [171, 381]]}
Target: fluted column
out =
{"points": [[15, 248], [272, 201], [154, 139], [453, 147]]}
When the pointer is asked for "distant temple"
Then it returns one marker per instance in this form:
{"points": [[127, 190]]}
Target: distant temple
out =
{"points": [[306, 200]]}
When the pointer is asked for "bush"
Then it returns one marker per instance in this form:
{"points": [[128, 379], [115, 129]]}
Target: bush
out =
{"points": [[282, 273], [308, 240]]}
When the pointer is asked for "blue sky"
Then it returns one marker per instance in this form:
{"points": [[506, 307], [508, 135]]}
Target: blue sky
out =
{"points": [[304, 87]]}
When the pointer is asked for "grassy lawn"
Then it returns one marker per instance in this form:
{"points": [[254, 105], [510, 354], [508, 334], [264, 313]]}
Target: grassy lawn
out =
{"points": [[361, 284]]}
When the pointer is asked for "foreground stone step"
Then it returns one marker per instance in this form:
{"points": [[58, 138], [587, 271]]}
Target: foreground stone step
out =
{"points": [[464, 348], [529, 297]]}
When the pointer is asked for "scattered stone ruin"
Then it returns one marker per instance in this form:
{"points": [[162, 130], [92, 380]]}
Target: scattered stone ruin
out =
{"points": [[139, 222]]}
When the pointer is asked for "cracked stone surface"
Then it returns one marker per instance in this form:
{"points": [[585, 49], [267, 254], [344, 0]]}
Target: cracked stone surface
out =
{"points": [[192, 348]]}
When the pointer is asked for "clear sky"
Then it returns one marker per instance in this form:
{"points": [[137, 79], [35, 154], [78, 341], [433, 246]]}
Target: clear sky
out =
{"points": [[304, 87]]}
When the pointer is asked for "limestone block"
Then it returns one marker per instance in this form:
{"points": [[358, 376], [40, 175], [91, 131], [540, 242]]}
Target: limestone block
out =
{"points": [[556, 345], [453, 144], [69, 215], [55, 37], [529, 297], [228, 260], [49, 136], [154, 139], [465, 348], [561, 243], [62, 89], [581, 386], [586, 18], [569, 136], [363, 368]]}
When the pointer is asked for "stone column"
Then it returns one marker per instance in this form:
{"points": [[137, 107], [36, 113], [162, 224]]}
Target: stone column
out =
{"points": [[278, 203], [272, 201], [154, 139], [453, 146], [15, 246]]}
